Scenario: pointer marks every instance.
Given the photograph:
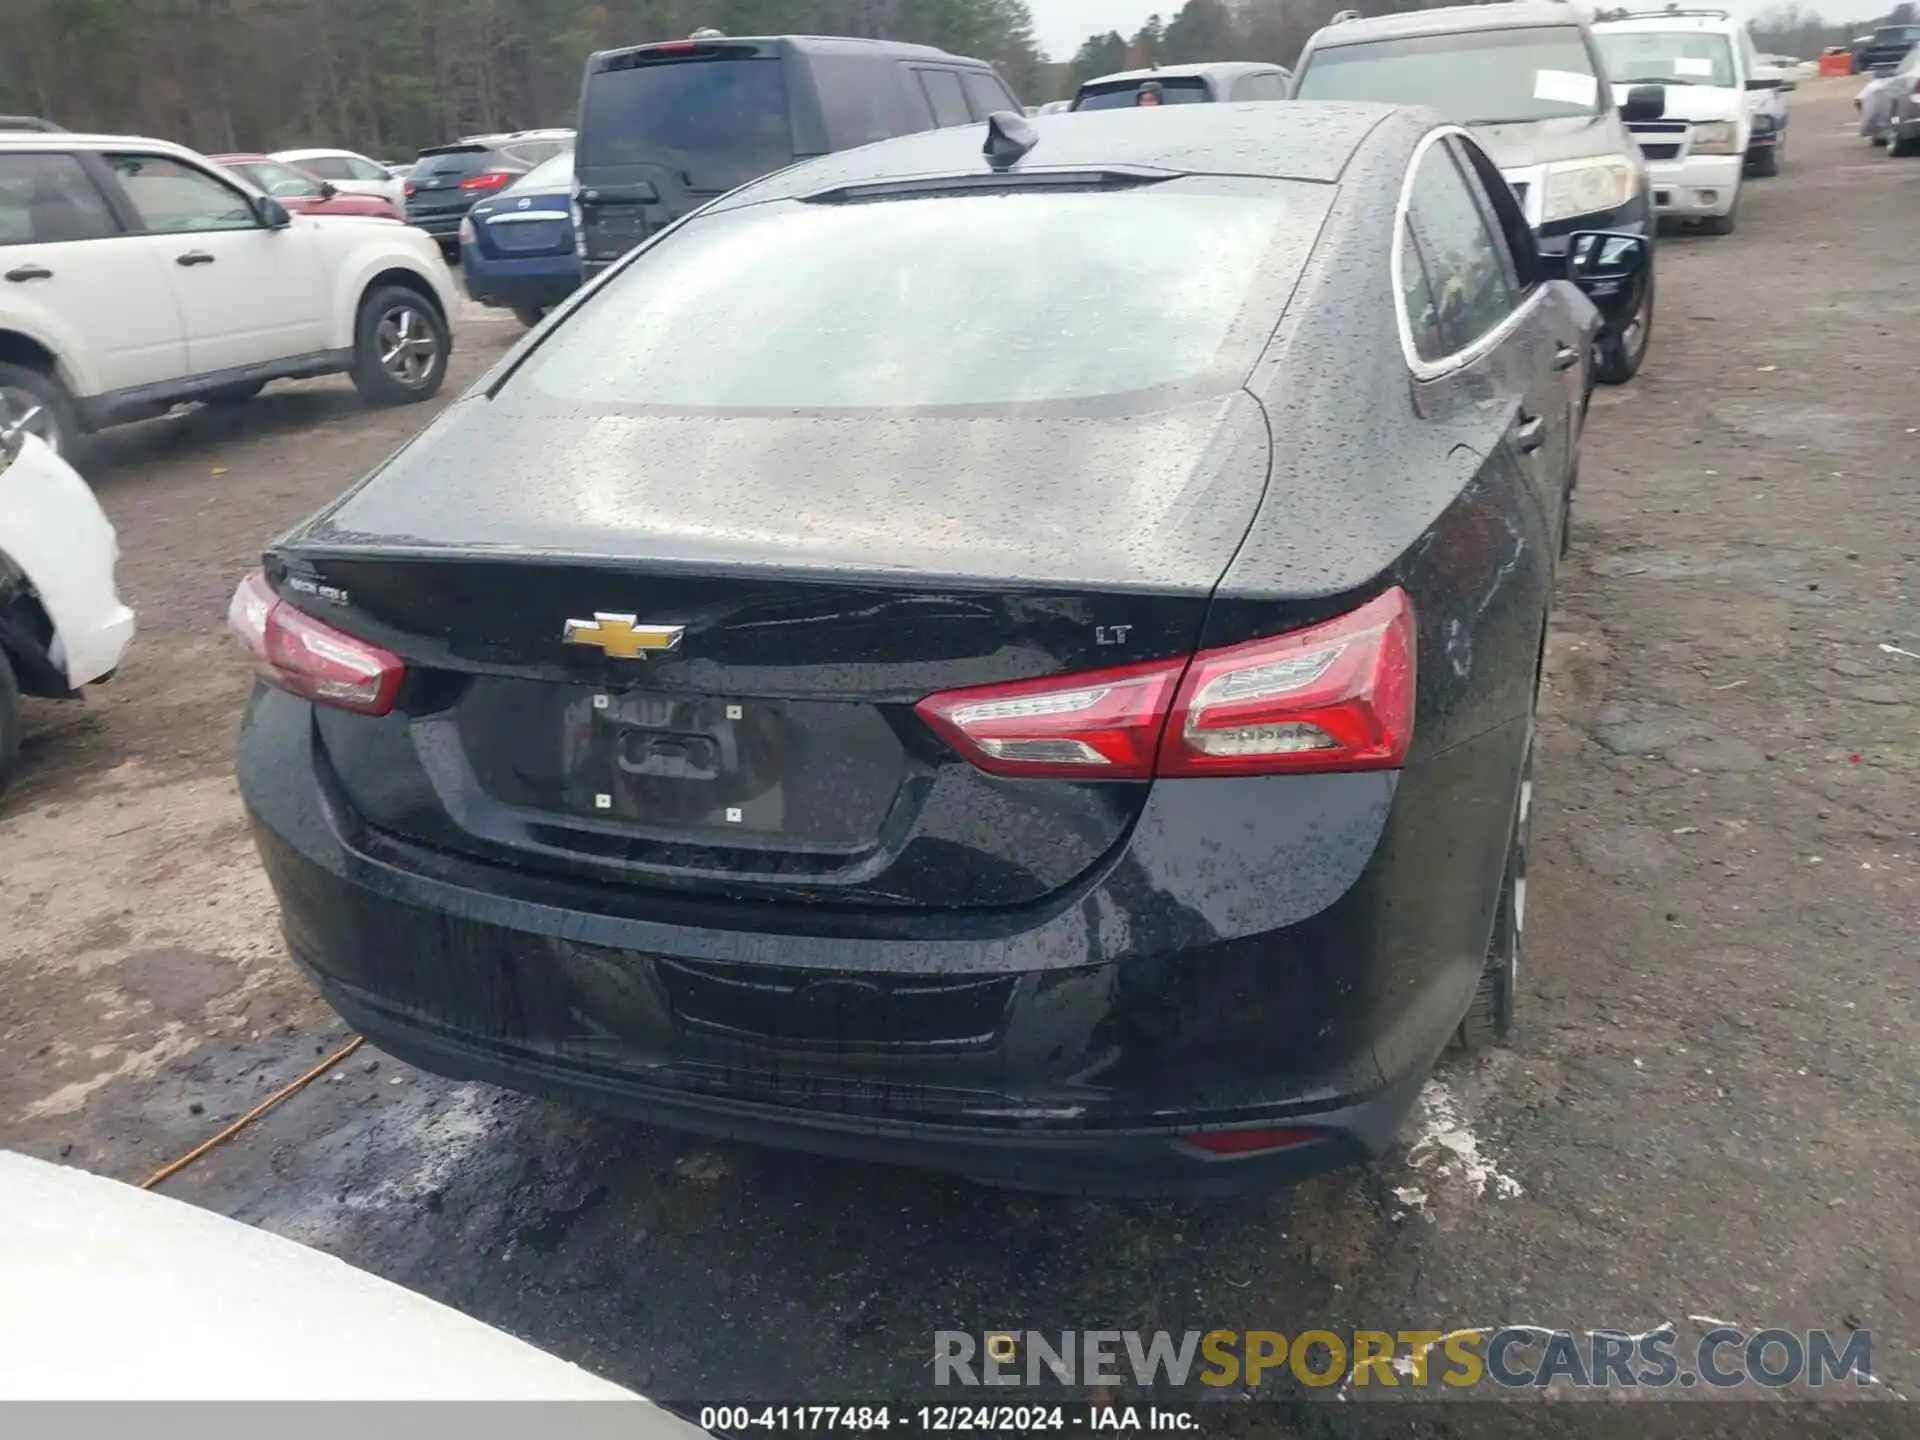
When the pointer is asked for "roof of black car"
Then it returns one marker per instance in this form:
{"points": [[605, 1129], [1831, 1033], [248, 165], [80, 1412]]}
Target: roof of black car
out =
{"points": [[1305, 140], [1451, 19], [1225, 69]]}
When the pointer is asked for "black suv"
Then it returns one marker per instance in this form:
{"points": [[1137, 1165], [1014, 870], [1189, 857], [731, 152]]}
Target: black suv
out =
{"points": [[664, 128], [1527, 80]]}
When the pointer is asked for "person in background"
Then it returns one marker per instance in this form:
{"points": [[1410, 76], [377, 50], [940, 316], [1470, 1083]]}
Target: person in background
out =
{"points": [[1149, 93]]}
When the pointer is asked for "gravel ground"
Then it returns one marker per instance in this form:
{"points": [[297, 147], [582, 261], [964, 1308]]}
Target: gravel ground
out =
{"points": [[1708, 1109]]}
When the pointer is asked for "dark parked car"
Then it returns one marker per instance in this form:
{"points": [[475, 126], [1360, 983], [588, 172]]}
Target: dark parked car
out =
{"points": [[518, 250], [861, 681], [665, 128], [1882, 52], [1185, 85], [447, 180], [1527, 79]]}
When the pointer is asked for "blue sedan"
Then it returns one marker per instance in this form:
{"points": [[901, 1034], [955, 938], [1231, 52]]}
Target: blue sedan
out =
{"points": [[517, 249]]}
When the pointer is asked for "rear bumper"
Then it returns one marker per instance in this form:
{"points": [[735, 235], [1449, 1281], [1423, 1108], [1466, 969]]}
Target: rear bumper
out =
{"points": [[536, 281], [1696, 187], [441, 227], [1161, 996]]}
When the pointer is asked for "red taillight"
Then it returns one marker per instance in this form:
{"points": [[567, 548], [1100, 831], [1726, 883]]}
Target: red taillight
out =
{"points": [[409, 188], [1103, 725], [1246, 1142], [1334, 696], [492, 180], [297, 653]]}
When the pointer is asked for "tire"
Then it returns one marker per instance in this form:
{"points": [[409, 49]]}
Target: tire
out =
{"points": [[530, 315], [1566, 514], [1490, 1017], [22, 388], [1899, 146], [1618, 354], [234, 394], [1721, 224], [400, 347], [9, 722], [1766, 163], [1877, 141]]}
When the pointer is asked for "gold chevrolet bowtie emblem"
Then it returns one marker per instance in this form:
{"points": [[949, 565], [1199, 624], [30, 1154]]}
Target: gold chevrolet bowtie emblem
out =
{"points": [[622, 636]]}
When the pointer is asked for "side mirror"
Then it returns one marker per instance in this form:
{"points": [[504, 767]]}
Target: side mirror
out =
{"points": [[1605, 255], [1644, 102], [328, 190], [271, 213]]}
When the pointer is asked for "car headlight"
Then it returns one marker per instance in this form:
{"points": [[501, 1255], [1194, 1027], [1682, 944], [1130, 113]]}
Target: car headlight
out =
{"points": [[1716, 137], [1585, 187], [466, 230]]}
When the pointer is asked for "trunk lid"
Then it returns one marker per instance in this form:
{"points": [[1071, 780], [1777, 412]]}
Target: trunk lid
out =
{"points": [[768, 750]]}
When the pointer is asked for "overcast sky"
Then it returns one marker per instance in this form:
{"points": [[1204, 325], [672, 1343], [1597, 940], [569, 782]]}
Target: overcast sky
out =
{"points": [[1062, 24]]}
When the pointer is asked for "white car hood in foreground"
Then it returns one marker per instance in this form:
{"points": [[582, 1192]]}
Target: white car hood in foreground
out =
{"points": [[114, 1293], [55, 533]]}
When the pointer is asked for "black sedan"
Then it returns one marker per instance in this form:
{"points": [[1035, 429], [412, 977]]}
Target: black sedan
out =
{"points": [[1020, 662]]}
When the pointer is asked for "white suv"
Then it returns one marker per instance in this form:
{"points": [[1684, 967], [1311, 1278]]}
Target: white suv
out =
{"points": [[136, 275], [1697, 151]]}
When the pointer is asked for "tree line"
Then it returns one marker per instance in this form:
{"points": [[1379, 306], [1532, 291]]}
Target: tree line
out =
{"points": [[389, 76]]}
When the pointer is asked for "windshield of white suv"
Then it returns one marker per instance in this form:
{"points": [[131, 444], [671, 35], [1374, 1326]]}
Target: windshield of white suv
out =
{"points": [[1473, 77], [1666, 57]]}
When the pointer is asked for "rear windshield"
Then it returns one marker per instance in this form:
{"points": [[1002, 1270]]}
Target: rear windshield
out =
{"points": [[1665, 57], [1118, 97], [716, 123], [1006, 298], [450, 162], [1477, 77]]}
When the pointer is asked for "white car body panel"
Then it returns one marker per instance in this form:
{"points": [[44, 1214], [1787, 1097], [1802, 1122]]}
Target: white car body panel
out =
{"points": [[388, 187], [115, 1293], [54, 532]]}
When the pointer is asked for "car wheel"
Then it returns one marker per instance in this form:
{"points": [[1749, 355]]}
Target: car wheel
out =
{"points": [[1721, 224], [234, 394], [9, 721], [1620, 351], [400, 347], [530, 315], [1490, 1016], [1566, 514], [1767, 162], [24, 391], [1901, 146], [1877, 139]]}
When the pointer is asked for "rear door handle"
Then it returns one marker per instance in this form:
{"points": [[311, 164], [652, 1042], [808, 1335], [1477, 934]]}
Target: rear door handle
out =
{"points": [[1530, 434], [193, 257], [1565, 357], [21, 273]]}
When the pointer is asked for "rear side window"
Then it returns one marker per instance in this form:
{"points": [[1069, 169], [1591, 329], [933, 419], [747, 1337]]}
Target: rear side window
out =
{"points": [[47, 199], [1465, 269], [860, 99], [945, 95], [280, 181], [358, 169], [986, 94], [525, 154], [1417, 303], [911, 303], [718, 123], [1259, 87]]}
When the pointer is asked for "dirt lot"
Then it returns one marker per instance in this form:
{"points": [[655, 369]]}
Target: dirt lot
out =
{"points": [[1710, 1107]]}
